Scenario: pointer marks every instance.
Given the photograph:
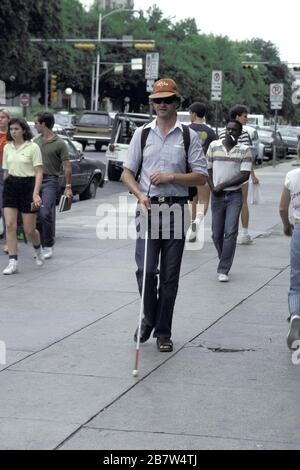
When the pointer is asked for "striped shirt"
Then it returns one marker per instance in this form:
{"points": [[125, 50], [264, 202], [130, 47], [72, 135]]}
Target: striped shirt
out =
{"points": [[228, 165], [292, 183], [166, 154], [244, 138]]}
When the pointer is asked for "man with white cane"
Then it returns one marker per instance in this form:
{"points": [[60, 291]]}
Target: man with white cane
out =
{"points": [[167, 167]]}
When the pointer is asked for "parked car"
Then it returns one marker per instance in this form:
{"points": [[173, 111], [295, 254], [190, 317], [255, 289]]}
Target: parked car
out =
{"points": [[290, 135], [123, 129], [67, 121], [268, 137], [93, 127], [257, 146], [184, 117], [87, 174]]}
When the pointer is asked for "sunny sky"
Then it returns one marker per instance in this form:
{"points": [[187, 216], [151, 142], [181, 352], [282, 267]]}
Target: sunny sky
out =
{"points": [[277, 22]]}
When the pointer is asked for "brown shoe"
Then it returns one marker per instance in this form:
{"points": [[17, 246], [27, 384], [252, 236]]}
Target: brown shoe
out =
{"points": [[164, 344]]}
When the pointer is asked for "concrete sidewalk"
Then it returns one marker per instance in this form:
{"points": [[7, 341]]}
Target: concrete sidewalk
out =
{"points": [[229, 384]]}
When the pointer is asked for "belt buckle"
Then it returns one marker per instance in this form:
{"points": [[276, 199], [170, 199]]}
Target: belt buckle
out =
{"points": [[161, 199]]}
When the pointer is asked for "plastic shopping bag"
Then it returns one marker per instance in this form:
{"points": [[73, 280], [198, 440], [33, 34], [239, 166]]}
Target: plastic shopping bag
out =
{"points": [[254, 196]]}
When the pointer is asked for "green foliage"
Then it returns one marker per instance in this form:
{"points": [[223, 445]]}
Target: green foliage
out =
{"points": [[186, 55]]}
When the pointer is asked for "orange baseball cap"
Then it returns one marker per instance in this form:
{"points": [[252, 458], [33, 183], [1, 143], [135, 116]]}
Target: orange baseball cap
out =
{"points": [[164, 88]]}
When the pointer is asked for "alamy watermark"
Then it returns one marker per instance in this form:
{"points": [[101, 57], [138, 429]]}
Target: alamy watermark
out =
{"points": [[296, 353], [2, 353], [128, 220]]}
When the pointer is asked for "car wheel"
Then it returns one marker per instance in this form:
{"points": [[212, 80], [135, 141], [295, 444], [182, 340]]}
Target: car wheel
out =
{"points": [[91, 191], [98, 146], [113, 172]]}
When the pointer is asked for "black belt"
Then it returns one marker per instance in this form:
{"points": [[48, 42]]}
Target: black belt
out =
{"points": [[49, 176], [224, 193], [169, 199]]}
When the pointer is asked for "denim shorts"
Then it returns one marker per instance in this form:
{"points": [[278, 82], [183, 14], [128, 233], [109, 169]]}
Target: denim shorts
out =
{"points": [[17, 193]]}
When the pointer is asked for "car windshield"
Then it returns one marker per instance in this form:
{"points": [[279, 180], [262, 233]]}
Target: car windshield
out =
{"points": [[63, 120], [290, 132], [184, 116], [94, 119], [264, 133]]}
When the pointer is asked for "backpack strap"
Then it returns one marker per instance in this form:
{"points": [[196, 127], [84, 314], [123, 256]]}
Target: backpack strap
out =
{"points": [[186, 142], [144, 137]]}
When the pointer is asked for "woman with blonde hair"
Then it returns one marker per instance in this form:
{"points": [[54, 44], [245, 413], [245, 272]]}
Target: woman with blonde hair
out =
{"points": [[23, 174]]}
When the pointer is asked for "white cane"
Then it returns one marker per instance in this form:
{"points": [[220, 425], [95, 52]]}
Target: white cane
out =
{"points": [[137, 349]]}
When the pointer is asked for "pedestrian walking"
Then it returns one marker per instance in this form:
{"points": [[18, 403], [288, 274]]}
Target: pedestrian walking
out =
{"points": [[4, 119], [240, 113], [54, 153], [206, 135], [291, 196], [229, 166], [163, 186], [23, 173]]}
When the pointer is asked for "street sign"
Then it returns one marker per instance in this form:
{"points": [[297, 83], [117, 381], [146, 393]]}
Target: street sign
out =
{"points": [[276, 105], [150, 84], [24, 100], [276, 92], [137, 64], [216, 80], [216, 95], [152, 65], [118, 69]]}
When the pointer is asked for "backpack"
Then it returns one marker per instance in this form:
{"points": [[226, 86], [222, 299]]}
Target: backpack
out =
{"points": [[186, 142]]}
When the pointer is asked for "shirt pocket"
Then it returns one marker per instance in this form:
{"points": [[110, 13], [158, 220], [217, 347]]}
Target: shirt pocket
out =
{"points": [[25, 158], [177, 155]]}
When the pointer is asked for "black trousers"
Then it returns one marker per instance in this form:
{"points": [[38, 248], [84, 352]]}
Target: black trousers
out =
{"points": [[164, 256]]}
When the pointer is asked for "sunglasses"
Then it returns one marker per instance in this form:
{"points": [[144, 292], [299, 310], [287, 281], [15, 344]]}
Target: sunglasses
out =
{"points": [[169, 100]]}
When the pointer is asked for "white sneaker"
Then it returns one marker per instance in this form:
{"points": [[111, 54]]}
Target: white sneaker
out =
{"points": [[223, 278], [39, 258], [294, 332], [12, 267], [245, 240], [48, 252]]}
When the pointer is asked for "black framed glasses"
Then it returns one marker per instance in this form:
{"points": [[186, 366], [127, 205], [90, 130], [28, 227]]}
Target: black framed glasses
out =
{"points": [[168, 100]]}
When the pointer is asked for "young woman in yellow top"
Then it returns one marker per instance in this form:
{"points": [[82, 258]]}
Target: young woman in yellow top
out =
{"points": [[23, 173]]}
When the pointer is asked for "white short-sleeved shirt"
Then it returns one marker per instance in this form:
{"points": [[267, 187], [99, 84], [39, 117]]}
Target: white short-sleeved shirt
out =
{"points": [[292, 183], [228, 165], [165, 154], [21, 161]]}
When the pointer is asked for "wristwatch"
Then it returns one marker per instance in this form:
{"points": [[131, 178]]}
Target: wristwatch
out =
{"points": [[69, 186]]}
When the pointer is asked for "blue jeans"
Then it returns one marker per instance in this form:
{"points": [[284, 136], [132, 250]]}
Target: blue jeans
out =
{"points": [[226, 209], [294, 292], [46, 214]]}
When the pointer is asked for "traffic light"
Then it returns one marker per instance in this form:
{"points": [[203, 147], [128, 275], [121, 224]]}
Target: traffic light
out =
{"points": [[53, 88], [249, 66], [147, 46], [85, 45]]}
